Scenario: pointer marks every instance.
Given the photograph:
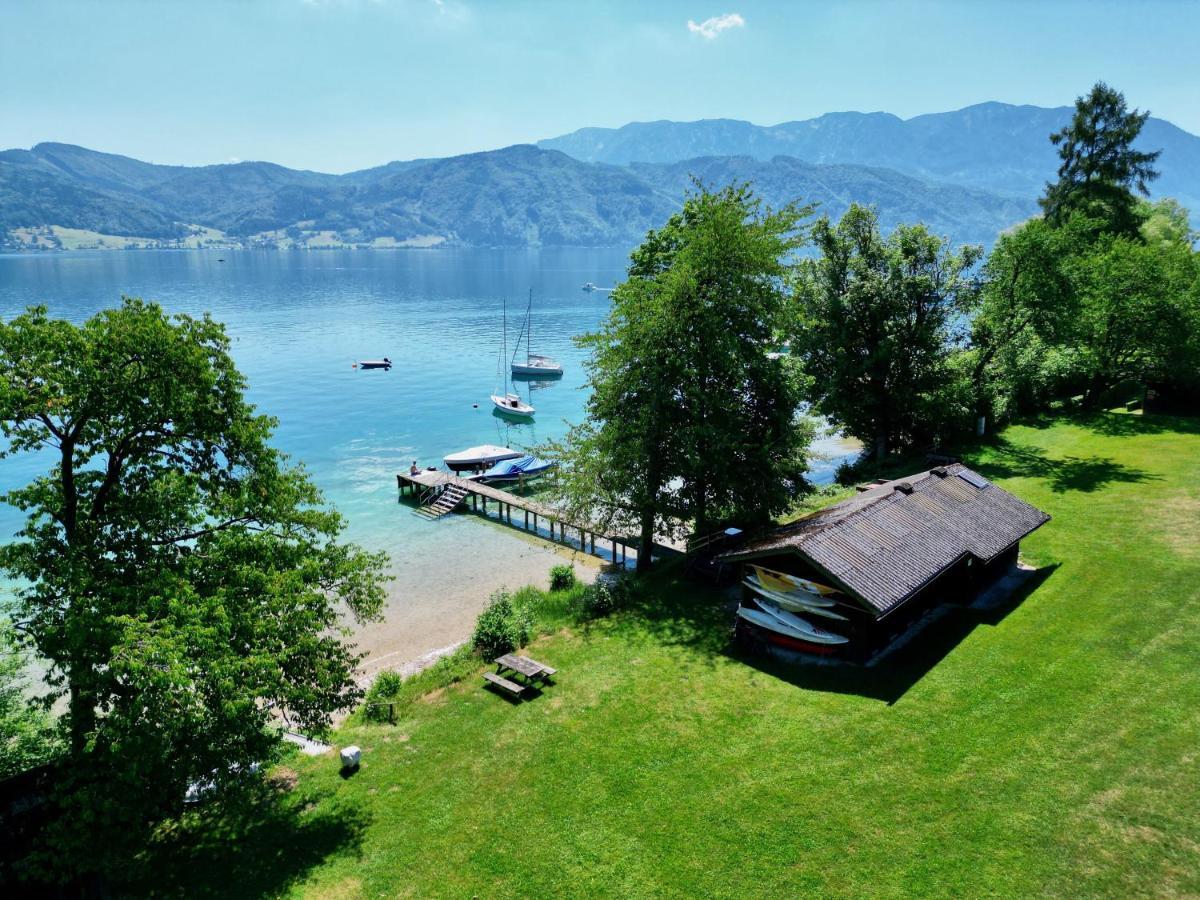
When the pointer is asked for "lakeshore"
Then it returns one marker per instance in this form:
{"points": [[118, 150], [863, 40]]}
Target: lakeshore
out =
{"points": [[298, 321]]}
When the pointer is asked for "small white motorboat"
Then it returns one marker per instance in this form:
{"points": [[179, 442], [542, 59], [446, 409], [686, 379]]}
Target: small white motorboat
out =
{"points": [[479, 458], [512, 405], [384, 363]]}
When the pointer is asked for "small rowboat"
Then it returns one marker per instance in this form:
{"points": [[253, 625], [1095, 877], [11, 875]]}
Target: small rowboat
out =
{"points": [[384, 363]]}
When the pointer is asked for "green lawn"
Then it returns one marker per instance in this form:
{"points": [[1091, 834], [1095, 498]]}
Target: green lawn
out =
{"points": [[1049, 747]]}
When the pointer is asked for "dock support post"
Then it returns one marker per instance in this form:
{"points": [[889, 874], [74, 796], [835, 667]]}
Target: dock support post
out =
{"points": [[593, 543], [622, 554], [526, 520], [475, 503], [613, 541]]}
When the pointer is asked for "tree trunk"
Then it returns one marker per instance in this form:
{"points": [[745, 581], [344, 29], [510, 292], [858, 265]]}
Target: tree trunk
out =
{"points": [[82, 712], [646, 547], [881, 443]]}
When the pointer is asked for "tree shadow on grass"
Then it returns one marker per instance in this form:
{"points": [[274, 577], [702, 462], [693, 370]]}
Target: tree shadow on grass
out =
{"points": [[254, 844], [1117, 424], [1005, 459], [908, 659], [1126, 424]]}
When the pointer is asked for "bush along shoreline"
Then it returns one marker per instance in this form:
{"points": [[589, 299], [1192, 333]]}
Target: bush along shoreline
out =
{"points": [[511, 621]]}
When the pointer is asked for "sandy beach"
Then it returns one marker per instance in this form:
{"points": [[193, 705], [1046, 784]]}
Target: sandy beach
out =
{"points": [[435, 598]]}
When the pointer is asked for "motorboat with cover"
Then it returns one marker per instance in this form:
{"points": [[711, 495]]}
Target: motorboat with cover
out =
{"points": [[522, 469], [384, 363], [478, 458]]}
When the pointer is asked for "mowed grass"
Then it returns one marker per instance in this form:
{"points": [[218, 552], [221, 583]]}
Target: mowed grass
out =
{"points": [[1049, 747]]}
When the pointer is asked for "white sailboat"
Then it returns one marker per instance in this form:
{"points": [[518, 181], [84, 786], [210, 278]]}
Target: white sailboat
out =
{"points": [[508, 403], [535, 363]]}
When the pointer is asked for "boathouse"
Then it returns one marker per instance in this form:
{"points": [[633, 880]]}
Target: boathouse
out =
{"points": [[898, 549]]}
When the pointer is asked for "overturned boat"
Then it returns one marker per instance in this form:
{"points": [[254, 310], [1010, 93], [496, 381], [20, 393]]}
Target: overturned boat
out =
{"points": [[477, 459]]}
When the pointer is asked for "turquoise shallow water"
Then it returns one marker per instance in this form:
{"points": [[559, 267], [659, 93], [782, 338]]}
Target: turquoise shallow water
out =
{"points": [[298, 320]]}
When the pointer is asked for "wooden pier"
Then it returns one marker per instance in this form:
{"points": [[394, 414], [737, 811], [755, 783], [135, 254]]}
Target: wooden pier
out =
{"points": [[431, 486]]}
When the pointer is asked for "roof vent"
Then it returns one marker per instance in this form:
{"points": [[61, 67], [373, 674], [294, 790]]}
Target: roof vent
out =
{"points": [[903, 487]]}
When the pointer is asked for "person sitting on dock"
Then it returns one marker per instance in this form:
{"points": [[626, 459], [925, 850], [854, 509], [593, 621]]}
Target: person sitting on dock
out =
{"points": [[413, 470]]}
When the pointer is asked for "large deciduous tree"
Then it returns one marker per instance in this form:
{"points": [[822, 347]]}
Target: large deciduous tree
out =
{"points": [[874, 327], [691, 419], [182, 583], [1136, 312], [1027, 295], [1100, 168]]}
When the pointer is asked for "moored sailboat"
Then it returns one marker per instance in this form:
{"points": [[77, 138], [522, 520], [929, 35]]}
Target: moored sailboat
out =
{"points": [[534, 363], [507, 402]]}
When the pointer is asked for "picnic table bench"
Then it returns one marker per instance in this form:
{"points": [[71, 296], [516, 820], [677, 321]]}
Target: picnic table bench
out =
{"points": [[504, 684], [531, 669]]}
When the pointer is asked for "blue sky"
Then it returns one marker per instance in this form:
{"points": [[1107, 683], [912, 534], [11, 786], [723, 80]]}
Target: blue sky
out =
{"points": [[337, 85]]}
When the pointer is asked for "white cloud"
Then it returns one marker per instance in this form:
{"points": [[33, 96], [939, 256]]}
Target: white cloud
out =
{"points": [[710, 28]]}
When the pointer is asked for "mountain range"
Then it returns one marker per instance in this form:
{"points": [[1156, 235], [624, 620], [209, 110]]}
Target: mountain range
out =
{"points": [[968, 174]]}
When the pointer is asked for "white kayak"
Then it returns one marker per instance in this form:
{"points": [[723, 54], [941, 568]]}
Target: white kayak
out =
{"points": [[804, 597], [789, 602], [811, 631], [809, 634], [793, 582]]}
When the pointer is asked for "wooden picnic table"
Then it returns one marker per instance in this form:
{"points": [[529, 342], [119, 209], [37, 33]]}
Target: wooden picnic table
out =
{"points": [[521, 664]]}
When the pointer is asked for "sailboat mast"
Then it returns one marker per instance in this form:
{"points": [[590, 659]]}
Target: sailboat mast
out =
{"points": [[504, 339], [529, 327]]}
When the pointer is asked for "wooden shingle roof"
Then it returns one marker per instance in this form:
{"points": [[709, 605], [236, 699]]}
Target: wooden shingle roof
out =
{"points": [[890, 541]]}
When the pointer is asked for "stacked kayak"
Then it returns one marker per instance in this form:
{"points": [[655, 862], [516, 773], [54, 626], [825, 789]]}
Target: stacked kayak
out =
{"points": [[781, 581], [796, 603], [778, 599]]}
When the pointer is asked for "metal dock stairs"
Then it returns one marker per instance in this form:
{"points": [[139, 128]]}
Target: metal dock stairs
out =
{"points": [[444, 501]]}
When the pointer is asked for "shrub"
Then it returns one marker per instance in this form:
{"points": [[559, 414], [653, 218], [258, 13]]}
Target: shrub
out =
{"points": [[384, 689], [500, 628], [562, 578], [607, 595]]}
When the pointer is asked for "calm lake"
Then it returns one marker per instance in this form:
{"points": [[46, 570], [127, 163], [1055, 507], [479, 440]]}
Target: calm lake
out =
{"points": [[298, 322]]}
